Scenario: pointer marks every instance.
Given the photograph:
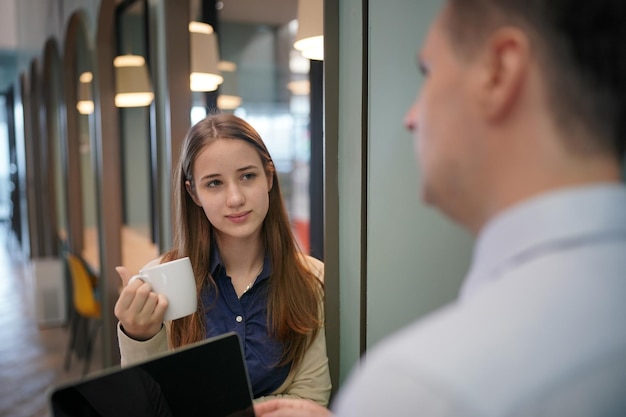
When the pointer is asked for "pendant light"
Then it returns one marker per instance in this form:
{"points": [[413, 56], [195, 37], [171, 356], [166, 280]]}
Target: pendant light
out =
{"points": [[229, 98], [310, 36], [132, 82], [205, 74], [84, 104]]}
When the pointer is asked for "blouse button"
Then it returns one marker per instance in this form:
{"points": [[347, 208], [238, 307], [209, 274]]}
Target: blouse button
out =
{"points": [[239, 319]]}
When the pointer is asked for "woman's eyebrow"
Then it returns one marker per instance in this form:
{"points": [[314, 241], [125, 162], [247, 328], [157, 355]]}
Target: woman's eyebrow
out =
{"points": [[209, 176], [247, 167]]}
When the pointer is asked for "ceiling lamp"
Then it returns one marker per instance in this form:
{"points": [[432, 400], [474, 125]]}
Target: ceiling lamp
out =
{"points": [[299, 87], [84, 104], [310, 35], [228, 98], [132, 82], [205, 74]]}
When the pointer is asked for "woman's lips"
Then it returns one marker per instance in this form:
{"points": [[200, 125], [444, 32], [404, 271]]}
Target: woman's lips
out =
{"points": [[238, 217]]}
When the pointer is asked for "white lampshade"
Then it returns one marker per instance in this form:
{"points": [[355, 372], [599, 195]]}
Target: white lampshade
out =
{"points": [[85, 104], [205, 74], [299, 87], [310, 36], [228, 98], [228, 101], [132, 82]]}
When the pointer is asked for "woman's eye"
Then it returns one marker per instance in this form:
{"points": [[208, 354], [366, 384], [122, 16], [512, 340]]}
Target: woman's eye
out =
{"points": [[248, 176], [214, 183]]}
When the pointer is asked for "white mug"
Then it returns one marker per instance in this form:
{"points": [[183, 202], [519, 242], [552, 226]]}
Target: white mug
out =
{"points": [[175, 280]]}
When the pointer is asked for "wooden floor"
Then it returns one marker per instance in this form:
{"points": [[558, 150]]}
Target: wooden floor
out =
{"points": [[31, 357]]}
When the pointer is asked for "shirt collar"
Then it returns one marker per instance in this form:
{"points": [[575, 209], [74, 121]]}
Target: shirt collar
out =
{"points": [[215, 259], [548, 220]]}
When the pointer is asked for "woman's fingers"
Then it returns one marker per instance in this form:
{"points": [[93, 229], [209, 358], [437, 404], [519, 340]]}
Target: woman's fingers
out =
{"points": [[139, 309], [124, 274]]}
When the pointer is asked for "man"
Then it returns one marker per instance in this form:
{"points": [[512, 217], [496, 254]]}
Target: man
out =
{"points": [[519, 130]]}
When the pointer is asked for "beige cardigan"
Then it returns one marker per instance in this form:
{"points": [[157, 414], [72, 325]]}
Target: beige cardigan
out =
{"points": [[311, 379]]}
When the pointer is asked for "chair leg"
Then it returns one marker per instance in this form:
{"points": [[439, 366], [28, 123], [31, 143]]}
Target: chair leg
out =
{"points": [[82, 337], [71, 345], [90, 342]]}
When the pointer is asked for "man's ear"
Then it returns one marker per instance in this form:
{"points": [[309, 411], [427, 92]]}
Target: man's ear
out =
{"points": [[192, 193], [504, 71]]}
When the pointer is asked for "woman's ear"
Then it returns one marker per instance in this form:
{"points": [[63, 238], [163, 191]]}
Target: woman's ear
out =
{"points": [[270, 181], [192, 193]]}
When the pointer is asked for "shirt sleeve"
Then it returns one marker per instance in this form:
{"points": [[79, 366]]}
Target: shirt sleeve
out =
{"points": [[311, 379], [133, 351]]}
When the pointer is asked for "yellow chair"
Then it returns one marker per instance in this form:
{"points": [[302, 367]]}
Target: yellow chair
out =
{"points": [[86, 314]]}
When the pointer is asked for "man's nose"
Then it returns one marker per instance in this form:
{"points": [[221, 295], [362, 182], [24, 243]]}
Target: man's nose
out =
{"points": [[410, 119]]}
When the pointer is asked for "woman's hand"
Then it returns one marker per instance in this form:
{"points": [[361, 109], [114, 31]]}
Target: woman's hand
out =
{"points": [[290, 407], [139, 309]]}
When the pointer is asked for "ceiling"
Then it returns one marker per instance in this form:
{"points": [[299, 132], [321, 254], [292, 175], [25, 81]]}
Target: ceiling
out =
{"points": [[270, 12]]}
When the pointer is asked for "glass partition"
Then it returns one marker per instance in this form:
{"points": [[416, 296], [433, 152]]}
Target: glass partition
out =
{"points": [[54, 125], [86, 135], [136, 130], [266, 82]]}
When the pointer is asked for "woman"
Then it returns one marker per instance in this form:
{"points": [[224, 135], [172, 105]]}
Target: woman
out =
{"points": [[251, 277]]}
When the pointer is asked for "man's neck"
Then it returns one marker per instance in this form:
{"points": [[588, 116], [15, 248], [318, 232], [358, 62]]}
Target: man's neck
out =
{"points": [[516, 186]]}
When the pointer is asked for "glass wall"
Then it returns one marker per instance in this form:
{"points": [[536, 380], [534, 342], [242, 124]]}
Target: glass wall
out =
{"points": [[268, 80], [5, 167], [135, 129]]}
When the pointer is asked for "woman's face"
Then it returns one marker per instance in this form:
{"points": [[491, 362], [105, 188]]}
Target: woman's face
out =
{"points": [[232, 187]]}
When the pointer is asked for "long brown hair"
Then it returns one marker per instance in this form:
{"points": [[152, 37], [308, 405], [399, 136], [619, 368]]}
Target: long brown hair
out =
{"points": [[295, 293]]}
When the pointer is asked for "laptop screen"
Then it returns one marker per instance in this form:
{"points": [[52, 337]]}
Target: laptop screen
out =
{"points": [[206, 379]]}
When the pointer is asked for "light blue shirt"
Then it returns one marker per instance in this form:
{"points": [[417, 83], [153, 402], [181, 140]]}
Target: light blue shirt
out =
{"points": [[538, 330]]}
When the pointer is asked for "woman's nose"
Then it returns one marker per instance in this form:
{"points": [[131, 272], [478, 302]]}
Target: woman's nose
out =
{"points": [[235, 197]]}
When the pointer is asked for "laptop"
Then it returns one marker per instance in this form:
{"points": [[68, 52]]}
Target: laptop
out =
{"points": [[208, 379]]}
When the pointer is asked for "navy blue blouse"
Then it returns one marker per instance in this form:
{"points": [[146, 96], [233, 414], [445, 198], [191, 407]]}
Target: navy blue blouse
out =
{"points": [[248, 317]]}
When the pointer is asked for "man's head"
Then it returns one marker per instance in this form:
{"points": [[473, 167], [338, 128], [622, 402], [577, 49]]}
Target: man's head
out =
{"points": [[581, 46], [512, 83]]}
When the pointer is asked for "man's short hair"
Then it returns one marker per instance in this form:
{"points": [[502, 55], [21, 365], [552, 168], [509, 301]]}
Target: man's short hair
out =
{"points": [[582, 47]]}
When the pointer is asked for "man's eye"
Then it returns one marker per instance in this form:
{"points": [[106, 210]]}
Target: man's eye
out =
{"points": [[423, 69]]}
